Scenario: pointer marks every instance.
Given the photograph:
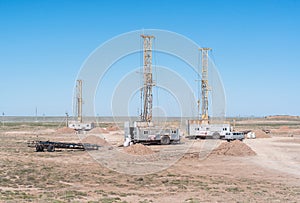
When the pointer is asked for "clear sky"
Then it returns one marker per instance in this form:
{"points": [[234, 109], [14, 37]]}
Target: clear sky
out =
{"points": [[255, 47]]}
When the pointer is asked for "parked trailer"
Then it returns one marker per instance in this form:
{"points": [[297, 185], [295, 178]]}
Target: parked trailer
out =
{"points": [[40, 146]]}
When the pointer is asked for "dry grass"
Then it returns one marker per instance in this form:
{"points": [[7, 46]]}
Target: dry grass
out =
{"points": [[73, 176]]}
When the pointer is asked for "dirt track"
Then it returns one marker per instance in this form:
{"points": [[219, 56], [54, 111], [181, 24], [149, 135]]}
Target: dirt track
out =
{"points": [[275, 155]]}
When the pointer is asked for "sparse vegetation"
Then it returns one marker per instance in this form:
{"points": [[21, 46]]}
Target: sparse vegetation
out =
{"points": [[110, 200], [73, 176], [192, 200], [233, 189]]}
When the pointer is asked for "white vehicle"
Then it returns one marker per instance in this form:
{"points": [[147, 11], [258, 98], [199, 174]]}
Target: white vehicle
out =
{"points": [[234, 136], [216, 131], [146, 132], [81, 126], [251, 135]]}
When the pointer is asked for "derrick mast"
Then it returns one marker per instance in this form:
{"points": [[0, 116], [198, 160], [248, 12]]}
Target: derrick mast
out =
{"points": [[204, 85], [79, 125], [202, 128], [145, 131], [79, 100], [148, 81]]}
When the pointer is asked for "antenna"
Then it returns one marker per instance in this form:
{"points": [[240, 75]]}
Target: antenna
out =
{"points": [[148, 82], [204, 84]]}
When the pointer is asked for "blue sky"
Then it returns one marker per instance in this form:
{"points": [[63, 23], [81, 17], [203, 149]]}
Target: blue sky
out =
{"points": [[255, 47]]}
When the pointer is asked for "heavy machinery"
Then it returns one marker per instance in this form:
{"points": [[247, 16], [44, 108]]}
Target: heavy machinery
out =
{"points": [[144, 131], [204, 86], [79, 125], [197, 129], [202, 127]]}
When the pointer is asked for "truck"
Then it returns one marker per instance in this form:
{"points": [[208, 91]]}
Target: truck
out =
{"points": [[196, 129], [229, 136], [146, 132], [81, 127]]}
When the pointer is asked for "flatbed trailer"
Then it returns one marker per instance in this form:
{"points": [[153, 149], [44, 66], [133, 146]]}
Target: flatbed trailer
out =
{"points": [[40, 146]]}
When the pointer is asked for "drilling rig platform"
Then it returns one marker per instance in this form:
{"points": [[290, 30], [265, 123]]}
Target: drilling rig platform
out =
{"points": [[144, 131], [202, 126], [79, 125]]}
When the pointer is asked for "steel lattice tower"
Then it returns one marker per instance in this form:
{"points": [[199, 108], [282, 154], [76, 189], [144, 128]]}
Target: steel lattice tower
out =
{"points": [[79, 100], [148, 82], [204, 84]]}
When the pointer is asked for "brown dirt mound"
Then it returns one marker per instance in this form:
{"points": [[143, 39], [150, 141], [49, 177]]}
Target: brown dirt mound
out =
{"points": [[92, 139], [98, 130], [234, 148], [283, 117], [261, 134], [65, 130], [286, 130], [113, 128], [138, 149]]}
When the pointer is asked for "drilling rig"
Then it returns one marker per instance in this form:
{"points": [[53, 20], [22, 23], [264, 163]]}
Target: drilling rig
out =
{"points": [[79, 100], [201, 127], [79, 125], [146, 115], [144, 131], [204, 85]]}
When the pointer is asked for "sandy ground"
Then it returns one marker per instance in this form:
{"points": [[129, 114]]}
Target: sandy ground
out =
{"points": [[186, 172]]}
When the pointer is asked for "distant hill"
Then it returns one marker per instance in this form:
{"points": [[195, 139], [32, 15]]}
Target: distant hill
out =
{"points": [[282, 117]]}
